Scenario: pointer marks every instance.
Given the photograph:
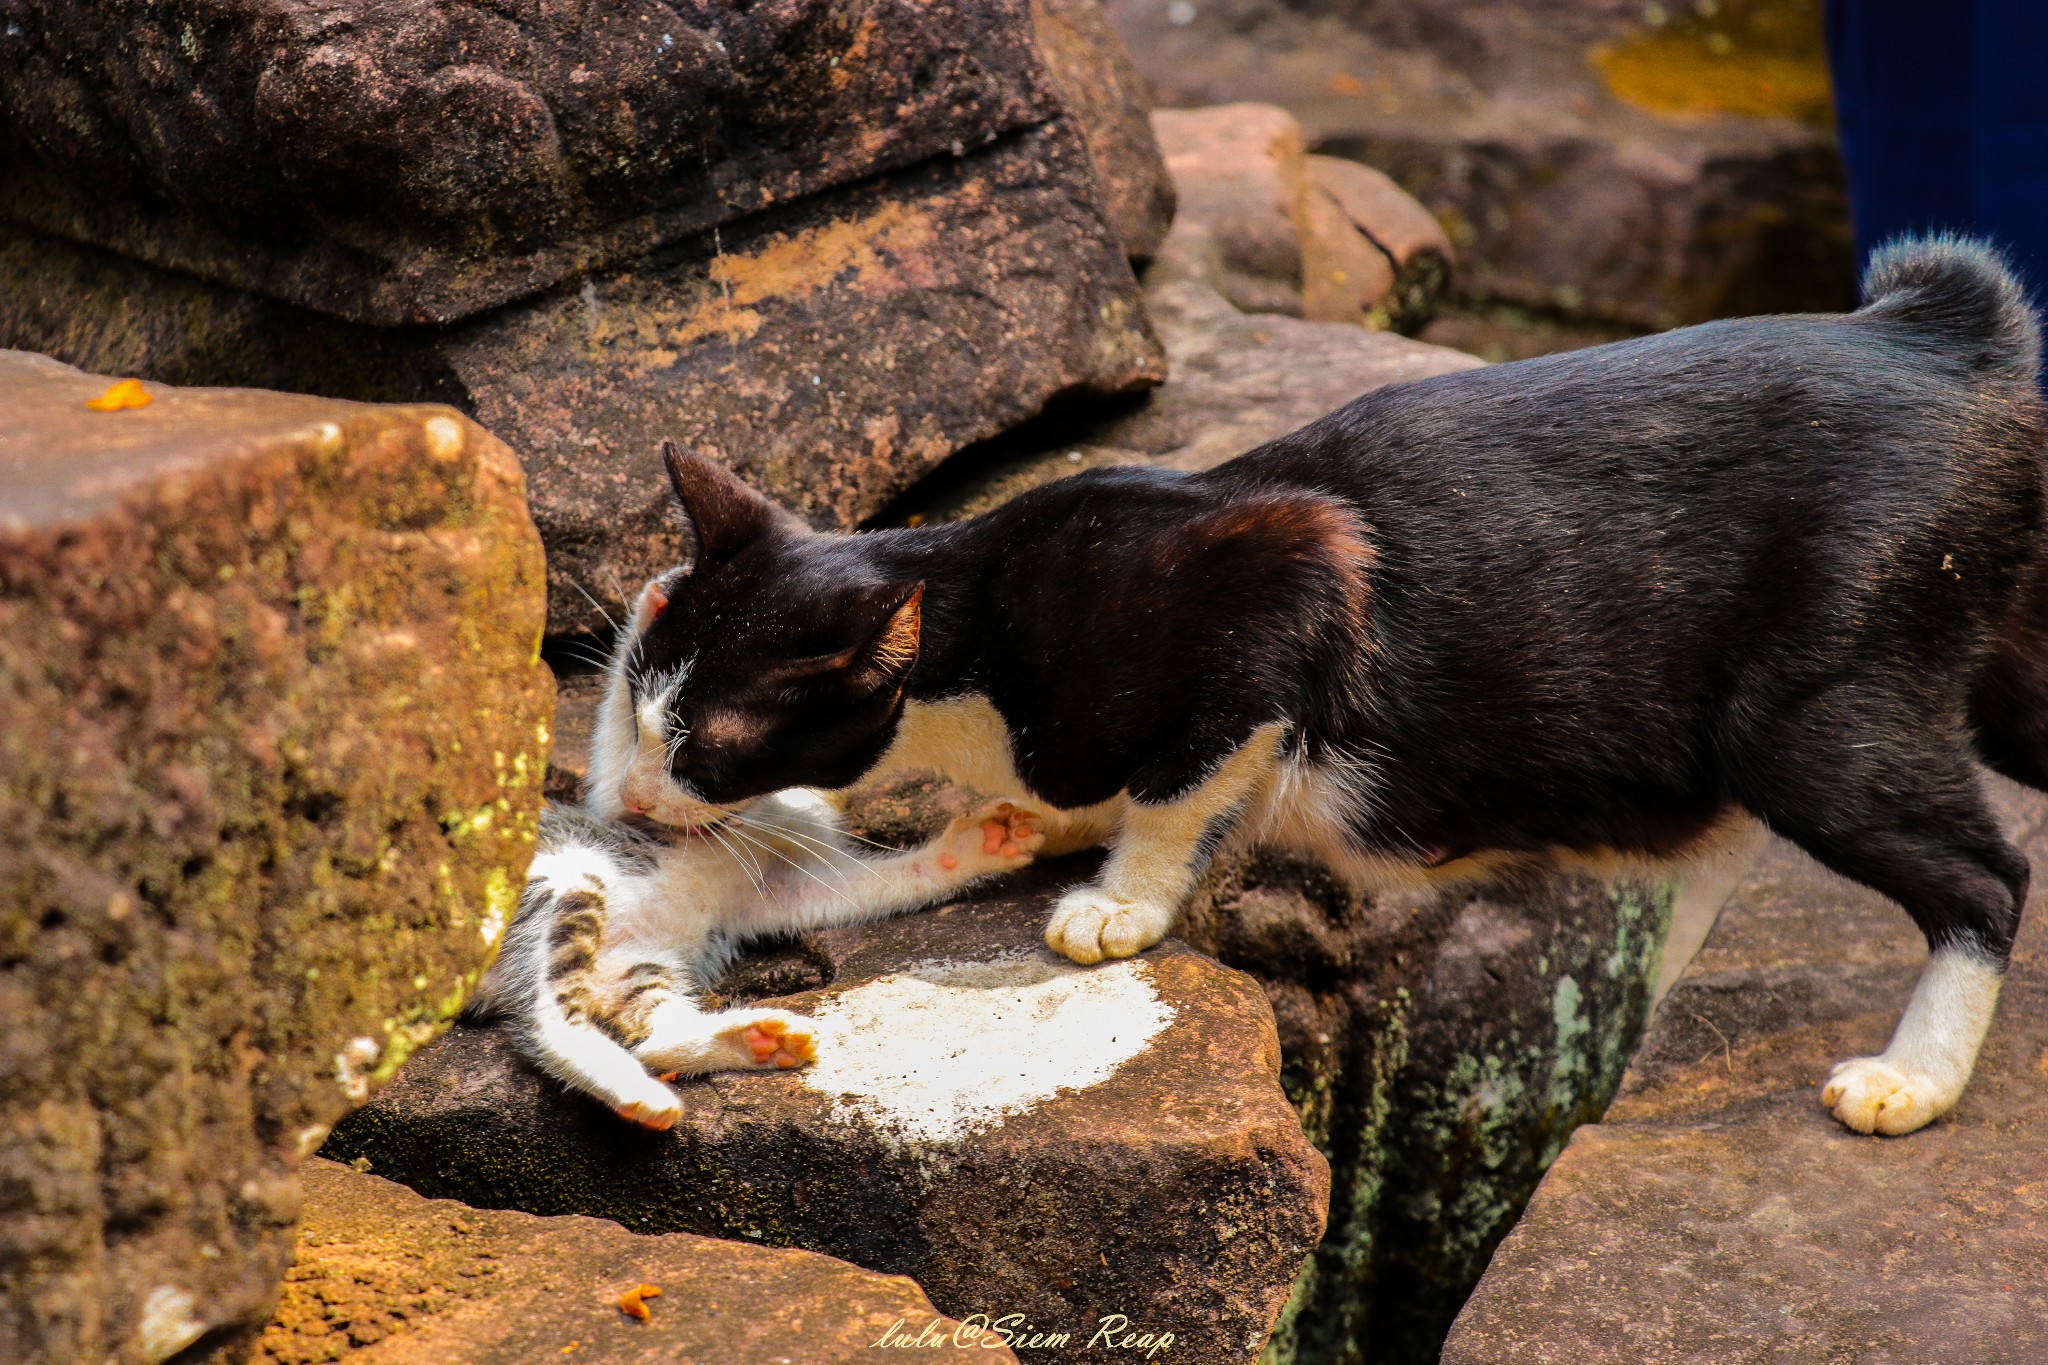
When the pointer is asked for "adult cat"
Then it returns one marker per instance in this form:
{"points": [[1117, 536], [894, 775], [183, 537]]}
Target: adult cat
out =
{"points": [[625, 917], [1584, 604]]}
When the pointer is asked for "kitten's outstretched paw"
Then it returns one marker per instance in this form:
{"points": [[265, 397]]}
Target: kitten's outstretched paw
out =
{"points": [[1872, 1095], [996, 837], [1089, 925], [770, 1039], [656, 1107]]}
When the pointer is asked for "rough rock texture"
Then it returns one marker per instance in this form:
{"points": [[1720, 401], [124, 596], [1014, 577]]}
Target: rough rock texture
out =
{"points": [[1276, 231], [1440, 1050], [837, 308], [420, 163], [271, 739], [1234, 380], [1111, 1143], [1584, 163], [832, 352], [384, 1277], [1718, 1213], [1104, 93]]}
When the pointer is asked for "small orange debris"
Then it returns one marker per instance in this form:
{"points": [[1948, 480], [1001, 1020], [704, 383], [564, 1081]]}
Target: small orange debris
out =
{"points": [[1344, 83], [632, 1304], [668, 1077], [129, 393]]}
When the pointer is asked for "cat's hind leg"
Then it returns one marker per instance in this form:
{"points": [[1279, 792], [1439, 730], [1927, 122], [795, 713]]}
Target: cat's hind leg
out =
{"points": [[1892, 804]]}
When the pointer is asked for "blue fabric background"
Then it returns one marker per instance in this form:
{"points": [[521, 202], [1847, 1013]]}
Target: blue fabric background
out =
{"points": [[1943, 107]]}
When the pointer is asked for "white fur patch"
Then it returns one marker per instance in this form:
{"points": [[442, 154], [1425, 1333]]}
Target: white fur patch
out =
{"points": [[948, 1049], [1922, 1072]]}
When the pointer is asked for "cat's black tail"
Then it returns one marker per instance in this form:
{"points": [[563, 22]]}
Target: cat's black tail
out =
{"points": [[1959, 291]]}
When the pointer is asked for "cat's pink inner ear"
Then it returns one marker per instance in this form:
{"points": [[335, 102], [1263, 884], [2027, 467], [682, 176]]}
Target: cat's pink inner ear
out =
{"points": [[657, 603]]}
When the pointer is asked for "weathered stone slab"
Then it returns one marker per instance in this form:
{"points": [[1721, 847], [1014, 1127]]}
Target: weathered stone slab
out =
{"points": [[1106, 97], [271, 738], [384, 1277], [832, 351], [1718, 1213], [419, 163], [1021, 1136], [1234, 380]]}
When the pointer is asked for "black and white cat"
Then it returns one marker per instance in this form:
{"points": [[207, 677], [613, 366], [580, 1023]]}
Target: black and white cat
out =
{"points": [[631, 906], [1591, 604]]}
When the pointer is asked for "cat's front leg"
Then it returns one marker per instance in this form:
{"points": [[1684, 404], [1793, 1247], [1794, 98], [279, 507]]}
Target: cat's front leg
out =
{"points": [[1156, 857], [683, 1040]]}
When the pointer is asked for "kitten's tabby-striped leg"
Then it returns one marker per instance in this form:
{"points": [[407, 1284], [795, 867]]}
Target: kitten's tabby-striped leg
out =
{"points": [[1156, 858], [574, 1003]]}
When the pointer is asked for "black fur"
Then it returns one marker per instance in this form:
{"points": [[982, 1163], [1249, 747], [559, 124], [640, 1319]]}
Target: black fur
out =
{"points": [[1793, 564]]}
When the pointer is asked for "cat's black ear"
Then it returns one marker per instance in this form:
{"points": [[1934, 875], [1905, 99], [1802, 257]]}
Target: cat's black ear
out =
{"points": [[724, 515], [886, 655]]}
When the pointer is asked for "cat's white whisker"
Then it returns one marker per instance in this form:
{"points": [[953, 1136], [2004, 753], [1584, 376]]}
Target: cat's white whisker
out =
{"points": [[748, 864], [596, 605], [804, 840], [836, 890]]}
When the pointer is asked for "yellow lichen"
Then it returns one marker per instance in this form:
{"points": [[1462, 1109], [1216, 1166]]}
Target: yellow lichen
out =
{"points": [[1757, 58]]}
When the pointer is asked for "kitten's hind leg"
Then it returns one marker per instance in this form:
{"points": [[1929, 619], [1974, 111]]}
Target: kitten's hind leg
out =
{"points": [[582, 1007], [683, 1040]]}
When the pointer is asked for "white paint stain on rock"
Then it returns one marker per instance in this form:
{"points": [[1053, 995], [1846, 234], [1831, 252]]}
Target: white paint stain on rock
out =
{"points": [[948, 1049]]}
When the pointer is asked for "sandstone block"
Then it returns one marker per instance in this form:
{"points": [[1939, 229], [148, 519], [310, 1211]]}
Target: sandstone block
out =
{"points": [[1718, 1212], [422, 163], [1416, 248], [271, 737], [384, 1277], [1238, 172], [1023, 1137], [832, 351]]}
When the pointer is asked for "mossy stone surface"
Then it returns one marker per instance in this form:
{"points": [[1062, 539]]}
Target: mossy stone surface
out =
{"points": [[272, 733]]}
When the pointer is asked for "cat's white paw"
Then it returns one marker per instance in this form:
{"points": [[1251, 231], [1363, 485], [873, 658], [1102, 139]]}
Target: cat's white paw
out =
{"points": [[768, 1039], [1871, 1095], [1089, 925], [1000, 835], [652, 1106]]}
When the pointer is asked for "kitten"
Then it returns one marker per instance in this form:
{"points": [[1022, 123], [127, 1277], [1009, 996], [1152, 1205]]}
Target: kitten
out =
{"points": [[624, 918], [1590, 604]]}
